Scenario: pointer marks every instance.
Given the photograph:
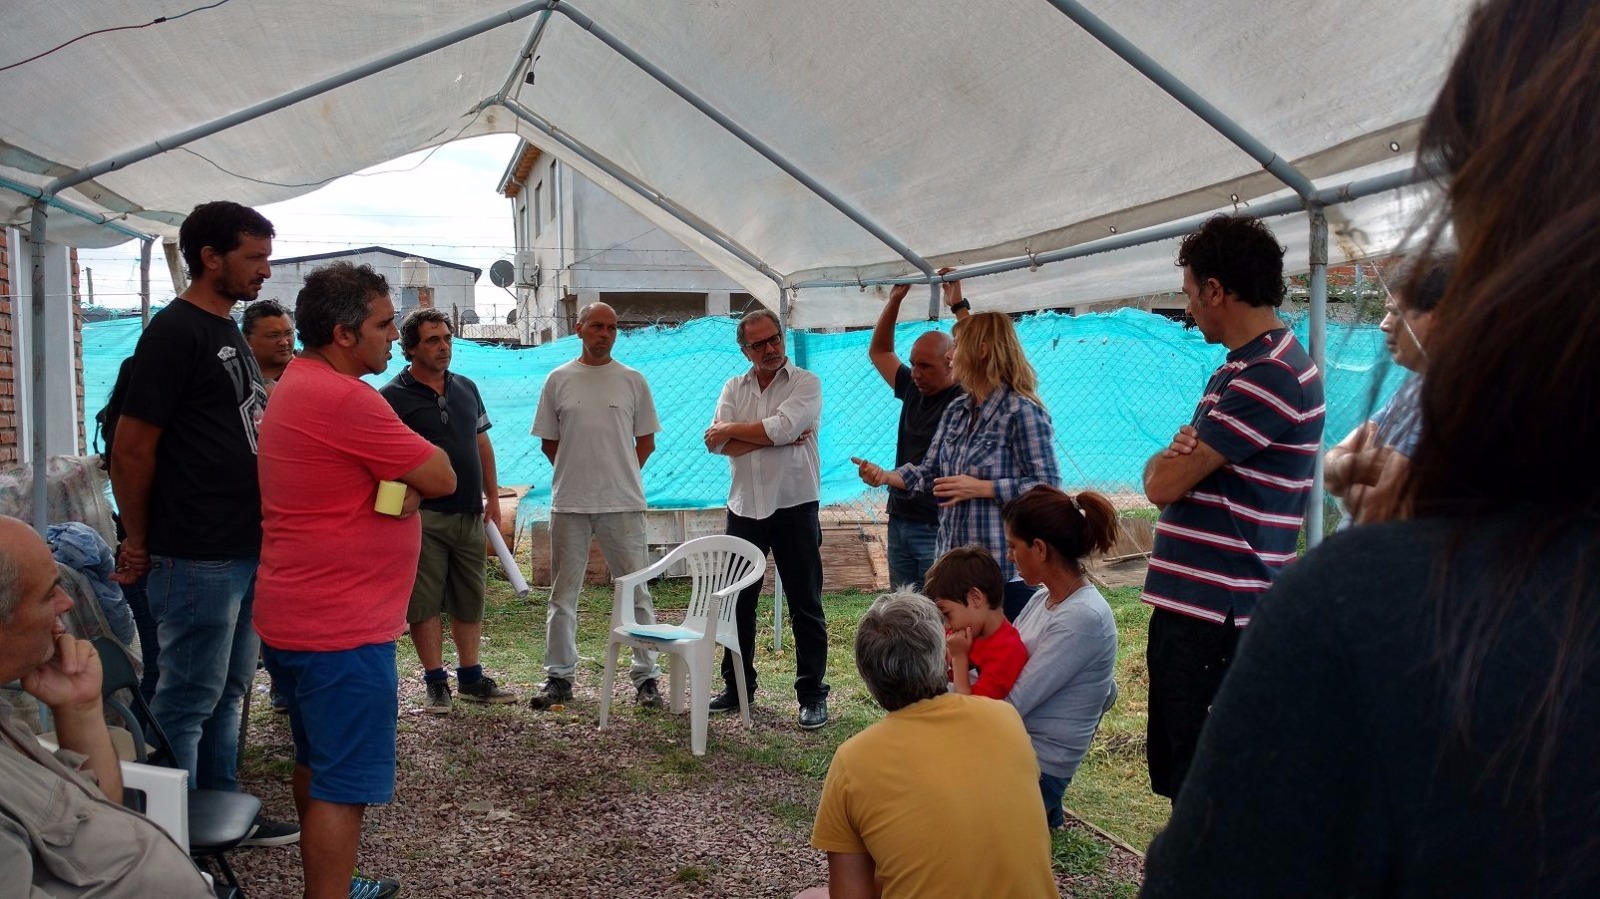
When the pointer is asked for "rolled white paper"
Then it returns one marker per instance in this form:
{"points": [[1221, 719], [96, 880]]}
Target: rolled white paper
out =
{"points": [[513, 573]]}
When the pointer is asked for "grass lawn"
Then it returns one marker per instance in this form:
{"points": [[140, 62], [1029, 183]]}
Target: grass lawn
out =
{"points": [[456, 766], [1110, 790]]}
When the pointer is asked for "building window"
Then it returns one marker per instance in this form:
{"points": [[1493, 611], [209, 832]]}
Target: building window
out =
{"points": [[538, 209], [550, 213]]}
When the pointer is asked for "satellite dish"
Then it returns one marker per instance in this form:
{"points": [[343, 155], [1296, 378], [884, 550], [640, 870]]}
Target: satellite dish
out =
{"points": [[511, 317], [502, 273], [469, 316]]}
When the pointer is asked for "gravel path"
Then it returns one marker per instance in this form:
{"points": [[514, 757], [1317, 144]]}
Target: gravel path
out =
{"points": [[506, 802]]}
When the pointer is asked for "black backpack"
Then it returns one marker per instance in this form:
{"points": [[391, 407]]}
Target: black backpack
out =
{"points": [[105, 421]]}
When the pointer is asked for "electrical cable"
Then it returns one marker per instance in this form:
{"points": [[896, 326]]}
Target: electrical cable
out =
{"points": [[156, 21]]}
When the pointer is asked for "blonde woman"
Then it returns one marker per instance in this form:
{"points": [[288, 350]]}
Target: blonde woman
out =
{"points": [[992, 445]]}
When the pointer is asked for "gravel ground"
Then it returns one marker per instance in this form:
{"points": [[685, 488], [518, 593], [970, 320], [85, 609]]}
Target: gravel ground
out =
{"points": [[503, 801]]}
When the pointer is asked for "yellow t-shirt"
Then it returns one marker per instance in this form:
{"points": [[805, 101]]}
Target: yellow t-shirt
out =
{"points": [[944, 795]]}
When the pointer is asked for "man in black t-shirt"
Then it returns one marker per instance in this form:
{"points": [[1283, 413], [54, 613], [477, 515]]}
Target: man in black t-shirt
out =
{"points": [[446, 409], [184, 473], [924, 389]]}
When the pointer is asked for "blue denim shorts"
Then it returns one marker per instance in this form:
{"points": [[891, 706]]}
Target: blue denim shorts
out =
{"points": [[342, 710]]}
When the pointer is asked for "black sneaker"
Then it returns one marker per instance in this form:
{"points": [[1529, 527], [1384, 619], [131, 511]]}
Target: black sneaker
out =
{"points": [[557, 691], [649, 696], [364, 887], [267, 832], [727, 701], [484, 689], [438, 702], [813, 714]]}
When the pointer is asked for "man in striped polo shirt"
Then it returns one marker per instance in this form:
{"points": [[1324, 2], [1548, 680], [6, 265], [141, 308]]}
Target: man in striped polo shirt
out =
{"points": [[1232, 486]]}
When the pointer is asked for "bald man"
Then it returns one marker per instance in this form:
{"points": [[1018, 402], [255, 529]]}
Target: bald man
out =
{"points": [[597, 424], [924, 389], [77, 791]]}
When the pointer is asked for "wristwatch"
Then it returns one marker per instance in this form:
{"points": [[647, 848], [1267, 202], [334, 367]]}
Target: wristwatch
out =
{"points": [[961, 305]]}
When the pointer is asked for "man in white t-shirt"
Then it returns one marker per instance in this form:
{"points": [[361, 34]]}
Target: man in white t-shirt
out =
{"points": [[597, 424]]}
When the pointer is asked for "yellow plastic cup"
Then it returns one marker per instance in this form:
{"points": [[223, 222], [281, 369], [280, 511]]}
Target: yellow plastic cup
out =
{"points": [[391, 498]]}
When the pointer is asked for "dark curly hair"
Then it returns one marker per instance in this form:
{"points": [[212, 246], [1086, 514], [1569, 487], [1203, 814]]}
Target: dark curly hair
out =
{"points": [[218, 225], [1241, 253], [337, 294]]}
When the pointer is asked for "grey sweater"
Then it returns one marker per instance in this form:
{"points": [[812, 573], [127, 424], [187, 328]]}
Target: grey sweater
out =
{"points": [[1068, 681]]}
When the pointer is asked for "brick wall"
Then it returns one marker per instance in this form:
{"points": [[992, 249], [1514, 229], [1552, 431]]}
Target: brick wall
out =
{"points": [[8, 399]]}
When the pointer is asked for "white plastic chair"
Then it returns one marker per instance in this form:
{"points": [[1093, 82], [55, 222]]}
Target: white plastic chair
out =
{"points": [[719, 566]]}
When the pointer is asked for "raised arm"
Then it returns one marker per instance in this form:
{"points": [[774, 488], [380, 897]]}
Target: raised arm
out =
{"points": [[69, 684], [881, 349]]}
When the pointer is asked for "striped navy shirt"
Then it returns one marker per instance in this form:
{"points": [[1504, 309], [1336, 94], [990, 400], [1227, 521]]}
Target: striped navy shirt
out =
{"points": [[1219, 547]]}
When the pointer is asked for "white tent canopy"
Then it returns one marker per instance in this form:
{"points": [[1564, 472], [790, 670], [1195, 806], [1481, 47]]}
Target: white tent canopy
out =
{"points": [[963, 133], [807, 149]]}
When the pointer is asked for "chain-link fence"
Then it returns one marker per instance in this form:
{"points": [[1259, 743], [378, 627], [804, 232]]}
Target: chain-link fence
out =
{"points": [[1116, 385]]}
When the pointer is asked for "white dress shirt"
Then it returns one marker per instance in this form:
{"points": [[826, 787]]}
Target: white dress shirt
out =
{"points": [[784, 474]]}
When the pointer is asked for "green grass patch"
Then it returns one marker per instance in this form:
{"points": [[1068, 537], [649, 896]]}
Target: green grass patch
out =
{"points": [[1110, 789]]}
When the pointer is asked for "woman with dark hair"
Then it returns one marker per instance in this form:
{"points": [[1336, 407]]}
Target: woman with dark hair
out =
{"points": [[1070, 633], [1415, 708], [991, 445]]}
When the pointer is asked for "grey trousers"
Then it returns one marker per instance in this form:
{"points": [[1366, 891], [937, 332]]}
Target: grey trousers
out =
{"points": [[622, 543]]}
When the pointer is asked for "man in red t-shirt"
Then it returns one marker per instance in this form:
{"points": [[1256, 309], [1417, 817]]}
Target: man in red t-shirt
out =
{"points": [[335, 573]]}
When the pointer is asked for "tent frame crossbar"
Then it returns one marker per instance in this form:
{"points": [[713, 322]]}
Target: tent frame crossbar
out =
{"points": [[627, 179], [1307, 197], [748, 138]]}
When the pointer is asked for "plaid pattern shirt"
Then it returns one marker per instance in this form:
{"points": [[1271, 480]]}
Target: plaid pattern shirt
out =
{"points": [[1009, 440]]}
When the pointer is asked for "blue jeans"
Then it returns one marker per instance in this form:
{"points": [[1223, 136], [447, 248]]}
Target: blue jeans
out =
{"points": [[149, 643], [208, 658], [911, 552], [1052, 789]]}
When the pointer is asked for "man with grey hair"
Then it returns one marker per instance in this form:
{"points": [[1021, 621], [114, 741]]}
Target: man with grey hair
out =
{"points": [[938, 757], [597, 424], [766, 424], [63, 831]]}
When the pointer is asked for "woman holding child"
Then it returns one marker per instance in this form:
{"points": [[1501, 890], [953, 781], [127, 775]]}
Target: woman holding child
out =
{"points": [[992, 445], [1067, 627]]}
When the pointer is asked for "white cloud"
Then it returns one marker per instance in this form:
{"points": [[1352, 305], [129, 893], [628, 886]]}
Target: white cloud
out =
{"points": [[442, 205]]}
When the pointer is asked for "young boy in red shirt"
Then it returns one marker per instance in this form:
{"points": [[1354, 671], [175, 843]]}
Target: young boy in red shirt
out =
{"points": [[986, 652]]}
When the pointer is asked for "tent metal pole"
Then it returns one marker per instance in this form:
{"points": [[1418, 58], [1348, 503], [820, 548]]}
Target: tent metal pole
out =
{"points": [[1319, 355], [844, 206], [694, 222], [1331, 196], [295, 96], [101, 220], [1183, 93], [144, 283], [37, 233], [528, 48]]}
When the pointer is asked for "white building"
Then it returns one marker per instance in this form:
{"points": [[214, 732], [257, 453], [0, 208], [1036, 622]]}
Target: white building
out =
{"points": [[577, 244], [413, 280]]}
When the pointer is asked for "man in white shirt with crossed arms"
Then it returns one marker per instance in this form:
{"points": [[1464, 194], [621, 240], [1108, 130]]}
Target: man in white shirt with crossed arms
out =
{"points": [[766, 424]]}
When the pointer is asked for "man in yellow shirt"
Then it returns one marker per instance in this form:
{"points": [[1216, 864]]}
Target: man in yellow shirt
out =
{"points": [[937, 759]]}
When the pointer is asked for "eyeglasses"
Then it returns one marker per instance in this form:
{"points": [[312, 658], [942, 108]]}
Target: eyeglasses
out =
{"points": [[444, 411], [772, 342]]}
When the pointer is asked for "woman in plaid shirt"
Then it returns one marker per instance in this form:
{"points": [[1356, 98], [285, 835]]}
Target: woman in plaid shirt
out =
{"points": [[992, 445]]}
